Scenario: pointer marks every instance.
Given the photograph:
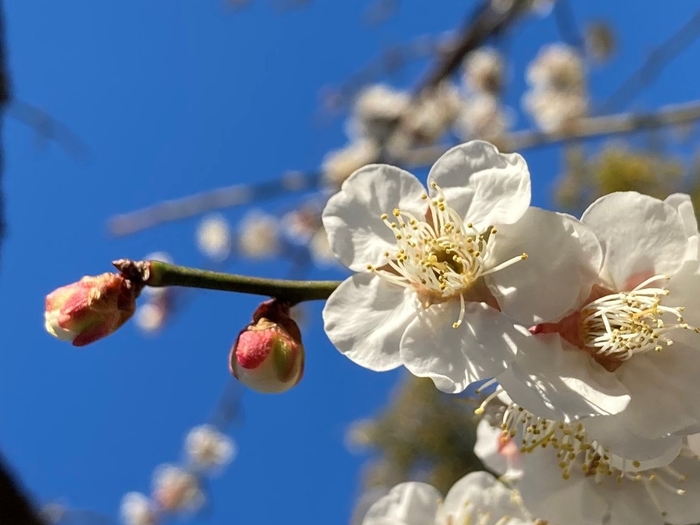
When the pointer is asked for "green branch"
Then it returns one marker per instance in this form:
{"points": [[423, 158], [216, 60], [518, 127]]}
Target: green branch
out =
{"points": [[159, 274]]}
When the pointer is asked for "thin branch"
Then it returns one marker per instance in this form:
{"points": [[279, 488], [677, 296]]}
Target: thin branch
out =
{"points": [[484, 23], [227, 197], [159, 274], [654, 64], [582, 129], [4, 98], [48, 128], [566, 24]]}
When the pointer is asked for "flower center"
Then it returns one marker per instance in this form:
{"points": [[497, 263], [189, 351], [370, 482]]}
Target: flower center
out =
{"points": [[624, 324], [441, 257]]}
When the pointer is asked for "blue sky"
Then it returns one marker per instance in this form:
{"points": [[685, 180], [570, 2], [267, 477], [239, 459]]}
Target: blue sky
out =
{"points": [[173, 98]]}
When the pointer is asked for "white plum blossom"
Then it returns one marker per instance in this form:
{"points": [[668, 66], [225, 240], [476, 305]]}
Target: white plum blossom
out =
{"points": [[627, 352], [176, 490], [446, 279], [208, 448], [476, 498], [258, 235], [596, 493], [214, 237], [684, 205], [137, 509]]}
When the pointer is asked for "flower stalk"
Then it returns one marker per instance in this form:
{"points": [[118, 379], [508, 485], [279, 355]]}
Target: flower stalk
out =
{"points": [[160, 274]]}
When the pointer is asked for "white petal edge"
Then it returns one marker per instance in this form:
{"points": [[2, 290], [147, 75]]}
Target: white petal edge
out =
{"points": [[352, 217], [641, 236], [409, 503], [365, 318], [484, 186]]}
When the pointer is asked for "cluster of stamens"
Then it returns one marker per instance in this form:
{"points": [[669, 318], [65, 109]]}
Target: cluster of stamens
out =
{"points": [[624, 324], [576, 450], [439, 256]]}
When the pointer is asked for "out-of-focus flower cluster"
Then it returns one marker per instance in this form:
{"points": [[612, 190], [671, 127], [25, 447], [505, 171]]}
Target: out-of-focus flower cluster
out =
{"points": [[177, 489], [585, 332]]}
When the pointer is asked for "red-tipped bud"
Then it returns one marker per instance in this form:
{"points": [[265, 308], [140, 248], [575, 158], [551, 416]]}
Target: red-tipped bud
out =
{"points": [[90, 309], [268, 355]]}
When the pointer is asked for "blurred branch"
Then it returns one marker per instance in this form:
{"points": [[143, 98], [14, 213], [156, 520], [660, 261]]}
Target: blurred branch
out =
{"points": [[4, 98], [15, 508], [484, 23], [654, 64], [582, 129], [48, 128], [566, 24], [235, 195]]}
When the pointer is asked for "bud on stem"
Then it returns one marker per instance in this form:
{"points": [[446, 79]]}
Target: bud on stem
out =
{"points": [[268, 355]]}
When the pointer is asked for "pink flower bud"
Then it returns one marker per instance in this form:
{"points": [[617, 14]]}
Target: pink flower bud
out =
{"points": [[90, 309], [268, 355]]}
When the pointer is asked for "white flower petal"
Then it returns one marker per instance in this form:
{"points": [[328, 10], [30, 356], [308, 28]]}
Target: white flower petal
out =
{"points": [[365, 318], [684, 288], [407, 504], [664, 390], [684, 206], [546, 285], [568, 381], [640, 235], [486, 447], [352, 217], [456, 357], [613, 434], [550, 497], [484, 186]]}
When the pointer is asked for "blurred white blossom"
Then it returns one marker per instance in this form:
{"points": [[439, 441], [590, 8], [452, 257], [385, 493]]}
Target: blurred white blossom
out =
{"points": [[320, 249], [376, 110], [434, 113], [176, 490], [214, 237], [339, 164], [557, 94], [482, 117], [150, 317], [207, 448], [137, 509], [477, 498], [553, 111], [258, 235], [483, 71]]}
